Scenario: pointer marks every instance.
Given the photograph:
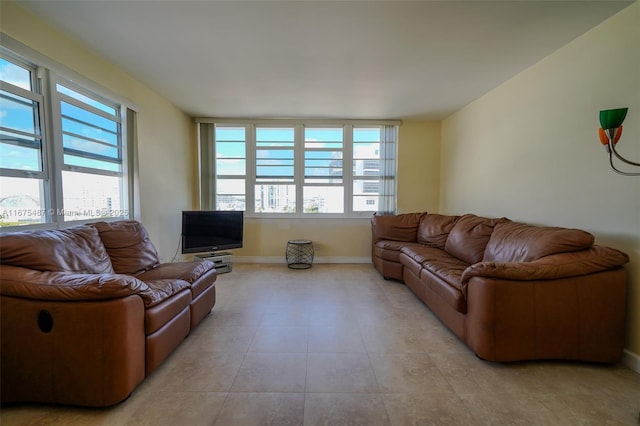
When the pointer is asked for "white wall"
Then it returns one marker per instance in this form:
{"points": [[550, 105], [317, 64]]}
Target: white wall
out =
{"points": [[529, 149]]}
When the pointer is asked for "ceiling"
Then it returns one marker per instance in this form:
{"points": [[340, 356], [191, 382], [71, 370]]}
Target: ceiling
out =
{"points": [[323, 59]]}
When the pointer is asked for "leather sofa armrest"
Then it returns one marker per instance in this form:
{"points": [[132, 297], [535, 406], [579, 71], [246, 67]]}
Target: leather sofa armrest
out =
{"points": [[87, 353], [580, 317], [37, 285], [561, 265]]}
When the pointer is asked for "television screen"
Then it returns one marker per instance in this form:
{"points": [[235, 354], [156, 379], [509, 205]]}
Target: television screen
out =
{"points": [[209, 231]]}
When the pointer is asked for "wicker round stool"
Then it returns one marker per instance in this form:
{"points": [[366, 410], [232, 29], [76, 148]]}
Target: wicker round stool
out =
{"points": [[299, 254]]}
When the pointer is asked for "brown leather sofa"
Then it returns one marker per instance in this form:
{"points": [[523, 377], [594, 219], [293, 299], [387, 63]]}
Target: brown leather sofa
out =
{"points": [[88, 312], [509, 290]]}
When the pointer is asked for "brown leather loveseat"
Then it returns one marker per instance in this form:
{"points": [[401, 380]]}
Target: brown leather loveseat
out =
{"points": [[88, 312], [509, 290]]}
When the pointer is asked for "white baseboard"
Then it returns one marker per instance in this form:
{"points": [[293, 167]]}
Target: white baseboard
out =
{"points": [[631, 360], [281, 259]]}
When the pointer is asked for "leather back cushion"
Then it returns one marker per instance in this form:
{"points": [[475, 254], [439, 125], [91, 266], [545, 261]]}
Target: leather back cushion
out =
{"points": [[77, 249], [469, 237], [518, 242], [434, 229], [400, 227], [129, 246]]}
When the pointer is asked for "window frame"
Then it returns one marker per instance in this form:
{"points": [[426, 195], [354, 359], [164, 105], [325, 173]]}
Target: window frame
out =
{"points": [[213, 171], [252, 165], [46, 75], [207, 150], [346, 168]]}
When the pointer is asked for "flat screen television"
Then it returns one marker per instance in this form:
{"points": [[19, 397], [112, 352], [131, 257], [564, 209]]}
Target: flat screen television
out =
{"points": [[210, 231]]}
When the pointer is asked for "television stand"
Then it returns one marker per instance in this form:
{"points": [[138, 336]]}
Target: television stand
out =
{"points": [[222, 260]]}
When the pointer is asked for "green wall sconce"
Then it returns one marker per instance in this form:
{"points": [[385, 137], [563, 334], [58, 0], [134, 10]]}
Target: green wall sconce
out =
{"points": [[610, 133]]}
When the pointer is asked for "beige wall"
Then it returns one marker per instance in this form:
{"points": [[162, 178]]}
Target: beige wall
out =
{"points": [[164, 132], [529, 149], [334, 240], [418, 166]]}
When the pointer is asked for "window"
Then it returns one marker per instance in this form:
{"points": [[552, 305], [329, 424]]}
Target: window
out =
{"points": [[92, 172], [22, 189], [302, 169], [71, 166], [231, 168], [366, 168], [323, 190], [275, 190]]}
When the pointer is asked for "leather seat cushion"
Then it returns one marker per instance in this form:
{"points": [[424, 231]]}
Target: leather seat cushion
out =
{"points": [[450, 271], [199, 275], [390, 250], [439, 263], [450, 294], [423, 254], [161, 290], [410, 264], [438, 270], [160, 314]]}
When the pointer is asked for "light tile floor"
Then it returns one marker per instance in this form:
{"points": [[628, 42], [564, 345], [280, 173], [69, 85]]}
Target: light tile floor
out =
{"points": [[338, 345]]}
